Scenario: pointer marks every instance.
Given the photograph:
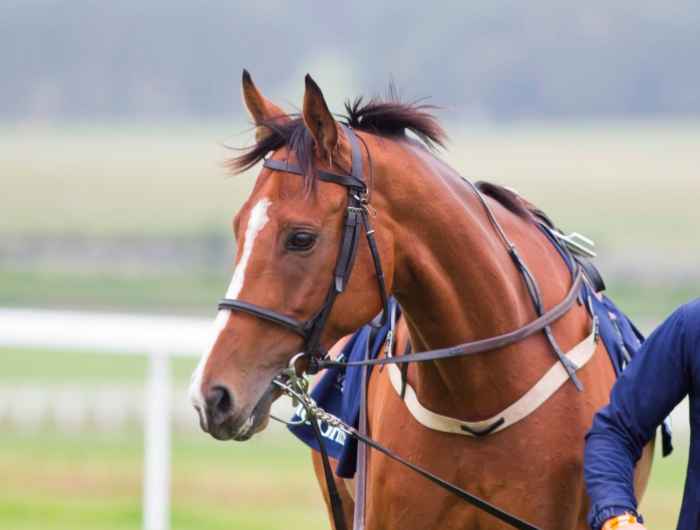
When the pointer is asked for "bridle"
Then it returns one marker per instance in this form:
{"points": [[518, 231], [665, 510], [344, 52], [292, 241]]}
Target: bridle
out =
{"points": [[311, 330], [356, 218]]}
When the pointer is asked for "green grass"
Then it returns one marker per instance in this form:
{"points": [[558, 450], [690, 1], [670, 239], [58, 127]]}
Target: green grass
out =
{"points": [[40, 366], [57, 482], [172, 292], [648, 303], [662, 501], [54, 481]]}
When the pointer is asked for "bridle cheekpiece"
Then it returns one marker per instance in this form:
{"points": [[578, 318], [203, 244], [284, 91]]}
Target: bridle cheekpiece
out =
{"points": [[356, 218]]}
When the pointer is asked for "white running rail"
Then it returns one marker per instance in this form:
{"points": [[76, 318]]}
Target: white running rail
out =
{"points": [[155, 336]]}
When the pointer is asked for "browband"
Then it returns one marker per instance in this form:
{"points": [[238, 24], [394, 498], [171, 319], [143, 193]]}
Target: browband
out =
{"points": [[344, 180]]}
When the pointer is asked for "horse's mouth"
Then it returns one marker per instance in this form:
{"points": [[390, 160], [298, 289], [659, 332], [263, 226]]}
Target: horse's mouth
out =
{"points": [[241, 429]]}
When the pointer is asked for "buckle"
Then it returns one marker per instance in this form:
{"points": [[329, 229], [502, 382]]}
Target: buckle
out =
{"points": [[364, 203]]}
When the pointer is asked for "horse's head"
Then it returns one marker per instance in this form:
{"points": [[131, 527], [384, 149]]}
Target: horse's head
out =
{"points": [[288, 236]]}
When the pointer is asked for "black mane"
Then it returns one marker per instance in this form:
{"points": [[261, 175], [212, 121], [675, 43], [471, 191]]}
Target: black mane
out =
{"points": [[391, 119], [509, 199]]}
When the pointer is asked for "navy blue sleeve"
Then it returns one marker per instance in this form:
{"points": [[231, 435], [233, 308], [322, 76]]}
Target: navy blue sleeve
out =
{"points": [[656, 380]]}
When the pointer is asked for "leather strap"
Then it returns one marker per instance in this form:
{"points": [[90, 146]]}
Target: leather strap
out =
{"points": [[348, 247], [530, 282], [479, 346], [538, 394], [536, 297], [361, 474], [480, 503], [297, 326], [333, 494], [348, 181], [379, 272]]}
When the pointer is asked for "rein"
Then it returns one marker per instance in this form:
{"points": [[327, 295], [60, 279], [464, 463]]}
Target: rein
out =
{"points": [[320, 415], [356, 219]]}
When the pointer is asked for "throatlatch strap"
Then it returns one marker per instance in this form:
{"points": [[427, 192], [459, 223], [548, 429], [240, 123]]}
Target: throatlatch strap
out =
{"points": [[374, 251]]}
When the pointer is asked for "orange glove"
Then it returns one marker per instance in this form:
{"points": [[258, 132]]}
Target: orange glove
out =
{"points": [[623, 522]]}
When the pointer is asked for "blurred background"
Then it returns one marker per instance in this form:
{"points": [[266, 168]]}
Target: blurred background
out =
{"points": [[115, 121]]}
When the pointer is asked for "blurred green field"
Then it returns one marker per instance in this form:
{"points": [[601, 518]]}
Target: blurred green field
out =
{"points": [[647, 301], [88, 481], [44, 367], [55, 481], [61, 480], [58, 481], [631, 185]]}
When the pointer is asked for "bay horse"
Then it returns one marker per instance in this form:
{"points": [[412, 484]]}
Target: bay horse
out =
{"points": [[448, 269]]}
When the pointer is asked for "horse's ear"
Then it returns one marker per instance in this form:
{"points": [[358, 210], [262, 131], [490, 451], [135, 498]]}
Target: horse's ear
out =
{"points": [[260, 108], [319, 120]]}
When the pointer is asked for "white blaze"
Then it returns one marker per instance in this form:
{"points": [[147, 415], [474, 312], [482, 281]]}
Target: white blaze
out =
{"points": [[257, 220]]}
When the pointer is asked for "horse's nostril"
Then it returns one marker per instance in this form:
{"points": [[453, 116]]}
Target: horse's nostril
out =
{"points": [[219, 400]]}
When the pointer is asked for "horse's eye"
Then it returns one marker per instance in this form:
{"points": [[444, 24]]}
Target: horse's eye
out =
{"points": [[300, 241]]}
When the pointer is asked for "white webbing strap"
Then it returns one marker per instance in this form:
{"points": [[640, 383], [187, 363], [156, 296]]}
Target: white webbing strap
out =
{"points": [[555, 377]]}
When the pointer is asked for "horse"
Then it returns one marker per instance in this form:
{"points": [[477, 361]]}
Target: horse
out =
{"points": [[447, 267]]}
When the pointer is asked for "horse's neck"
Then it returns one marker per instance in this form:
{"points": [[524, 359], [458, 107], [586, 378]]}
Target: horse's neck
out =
{"points": [[456, 283]]}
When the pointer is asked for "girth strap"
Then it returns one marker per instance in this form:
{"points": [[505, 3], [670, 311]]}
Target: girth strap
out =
{"points": [[374, 252]]}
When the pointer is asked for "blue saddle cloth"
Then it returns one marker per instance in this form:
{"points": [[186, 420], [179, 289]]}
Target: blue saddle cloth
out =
{"points": [[338, 391]]}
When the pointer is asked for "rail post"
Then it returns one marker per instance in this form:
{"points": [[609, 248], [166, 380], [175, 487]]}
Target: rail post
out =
{"points": [[156, 465]]}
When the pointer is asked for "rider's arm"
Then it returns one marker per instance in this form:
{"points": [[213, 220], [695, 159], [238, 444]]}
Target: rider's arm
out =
{"points": [[652, 385]]}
